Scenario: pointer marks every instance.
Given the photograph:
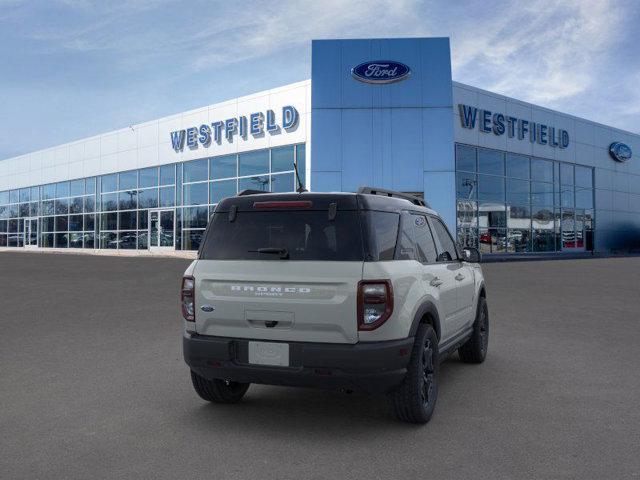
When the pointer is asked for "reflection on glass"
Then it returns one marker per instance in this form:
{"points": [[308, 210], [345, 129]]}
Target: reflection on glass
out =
{"points": [[491, 188], [252, 163], [541, 170], [168, 175], [517, 166], [195, 170], [196, 194], [282, 159], [127, 240], [254, 183], [465, 158], [492, 240], [517, 191], [519, 217], [223, 189], [282, 183], [519, 240], [568, 228], [148, 177], [490, 161], [466, 186]]}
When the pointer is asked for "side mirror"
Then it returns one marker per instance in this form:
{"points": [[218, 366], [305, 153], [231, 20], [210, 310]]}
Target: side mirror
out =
{"points": [[471, 255]]}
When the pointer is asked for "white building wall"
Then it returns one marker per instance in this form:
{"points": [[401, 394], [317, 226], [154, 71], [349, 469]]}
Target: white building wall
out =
{"points": [[149, 144]]}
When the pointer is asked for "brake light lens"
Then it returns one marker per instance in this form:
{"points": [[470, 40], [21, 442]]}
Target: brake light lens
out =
{"points": [[187, 299], [284, 204], [375, 303]]}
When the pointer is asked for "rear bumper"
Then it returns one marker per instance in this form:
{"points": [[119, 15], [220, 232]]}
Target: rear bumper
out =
{"points": [[373, 367]]}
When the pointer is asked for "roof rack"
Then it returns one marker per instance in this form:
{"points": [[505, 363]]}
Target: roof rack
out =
{"points": [[392, 193], [249, 191]]}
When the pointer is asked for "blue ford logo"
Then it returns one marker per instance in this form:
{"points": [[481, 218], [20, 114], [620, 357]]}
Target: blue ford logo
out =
{"points": [[380, 71], [620, 151]]}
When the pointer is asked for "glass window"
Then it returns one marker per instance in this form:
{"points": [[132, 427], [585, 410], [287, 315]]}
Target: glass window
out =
{"points": [[282, 159], [143, 220], [62, 240], [62, 189], [566, 195], [519, 217], [517, 191], [303, 234], [425, 244], [128, 220], [76, 187], [24, 209], [62, 223], [466, 186], [76, 205], [128, 180], [167, 195], [75, 240], [544, 240], [89, 241], [109, 201], [220, 190], [584, 177], [491, 188], [168, 175], [445, 244], [382, 233], [465, 158], [301, 161], [89, 204], [75, 223], [196, 194], [252, 163], [568, 228], [35, 191], [406, 248], [143, 239], [282, 183], [48, 192], [254, 183], [518, 241], [492, 215], [109, 221], [490, 161], [90, 185], [108, 240], [128, 240], [148, 177], [4, 198], [517, 166], [14, 196], [48, 224], [542, 218], [46, 240], [196, 217], [541, 193], [584, 197], [541, 170], [109, 183], [224, 167], [62, 206], [195, 170], [148, 198], [566, 174], [24, 195], [89, 222], [192, 239], [127, 200]]}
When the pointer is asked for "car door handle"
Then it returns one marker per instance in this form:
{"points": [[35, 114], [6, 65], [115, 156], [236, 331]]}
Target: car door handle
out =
{"points": [[459, 277], [436, 282]]}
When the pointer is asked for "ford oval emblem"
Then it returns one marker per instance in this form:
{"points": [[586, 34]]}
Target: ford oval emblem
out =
{"points": [[380, 71], [207, 308], [620, 152]]}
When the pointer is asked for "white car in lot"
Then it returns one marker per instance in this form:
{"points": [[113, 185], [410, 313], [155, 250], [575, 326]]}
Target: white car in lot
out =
{"points": [[363, 291]]}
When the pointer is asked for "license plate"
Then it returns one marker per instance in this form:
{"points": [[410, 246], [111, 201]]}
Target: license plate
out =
{"points": [[269, 353]]}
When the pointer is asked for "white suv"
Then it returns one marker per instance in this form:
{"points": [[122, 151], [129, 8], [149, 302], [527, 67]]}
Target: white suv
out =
{"points": [[351, 291]]}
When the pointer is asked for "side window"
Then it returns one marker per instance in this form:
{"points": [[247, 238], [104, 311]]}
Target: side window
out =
{"points": [[406, 241], [426, 249], [446, 246]]}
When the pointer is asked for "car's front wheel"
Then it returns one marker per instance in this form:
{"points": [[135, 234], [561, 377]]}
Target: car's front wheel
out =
{"points": [[218, 391], [415, 399]]}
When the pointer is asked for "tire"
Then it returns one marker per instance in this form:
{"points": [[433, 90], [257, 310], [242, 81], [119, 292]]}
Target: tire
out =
{"points": [[218, 391], [415, 399], [475, 349]]}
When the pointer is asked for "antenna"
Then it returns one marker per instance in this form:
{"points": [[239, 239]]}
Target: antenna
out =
{"points": [[300, 188]]}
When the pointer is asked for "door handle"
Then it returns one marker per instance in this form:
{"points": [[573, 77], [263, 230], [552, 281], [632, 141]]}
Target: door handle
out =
{"points": [[459, 277], [436, 282]]}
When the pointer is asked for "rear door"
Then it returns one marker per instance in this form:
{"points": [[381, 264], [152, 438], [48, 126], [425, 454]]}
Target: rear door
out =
{"points": [[288, 275]]}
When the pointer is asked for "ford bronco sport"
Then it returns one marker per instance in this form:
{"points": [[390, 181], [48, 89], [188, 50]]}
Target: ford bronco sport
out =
{"points": [[363, 291]]}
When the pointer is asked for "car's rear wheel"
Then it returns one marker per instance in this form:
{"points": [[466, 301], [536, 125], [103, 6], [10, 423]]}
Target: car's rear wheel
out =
{"points": [[475, 349], [415, 399], [218, 391]]}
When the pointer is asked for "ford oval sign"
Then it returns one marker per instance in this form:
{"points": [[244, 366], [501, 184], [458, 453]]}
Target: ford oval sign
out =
{"points": [[620, 152], [380, 71]]}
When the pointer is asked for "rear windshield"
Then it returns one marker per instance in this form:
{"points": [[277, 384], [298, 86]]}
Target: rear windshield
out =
{"points": [[278, 235], [302, 235]]}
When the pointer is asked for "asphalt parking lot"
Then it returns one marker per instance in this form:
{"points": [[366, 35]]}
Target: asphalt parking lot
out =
{"points": [[93, 385]]}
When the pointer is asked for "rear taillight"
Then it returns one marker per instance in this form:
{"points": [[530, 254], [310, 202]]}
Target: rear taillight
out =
{"points": [[187, 298], [375, 303]]}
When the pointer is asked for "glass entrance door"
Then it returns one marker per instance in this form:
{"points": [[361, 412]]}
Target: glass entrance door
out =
{"points": [[162, 229], [30, 232]]}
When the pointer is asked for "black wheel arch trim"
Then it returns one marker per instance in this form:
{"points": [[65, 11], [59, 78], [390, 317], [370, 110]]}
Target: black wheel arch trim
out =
{"points": [[427, 308]]}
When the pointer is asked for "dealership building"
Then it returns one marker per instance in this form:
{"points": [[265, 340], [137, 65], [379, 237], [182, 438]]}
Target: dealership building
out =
{"points": [[507, 176]]}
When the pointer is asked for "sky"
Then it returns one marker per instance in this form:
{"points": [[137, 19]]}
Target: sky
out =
{"points": [[70, 69]]}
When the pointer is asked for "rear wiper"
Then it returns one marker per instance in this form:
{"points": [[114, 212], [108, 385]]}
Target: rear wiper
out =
{"points": [[283, 252]]}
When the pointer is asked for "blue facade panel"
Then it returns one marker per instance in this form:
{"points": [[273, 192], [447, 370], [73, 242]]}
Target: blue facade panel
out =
{"points": [[389, 135]]}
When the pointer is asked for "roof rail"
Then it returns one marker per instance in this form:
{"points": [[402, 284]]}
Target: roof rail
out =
{"points": [[249, 191], [392, 193]]}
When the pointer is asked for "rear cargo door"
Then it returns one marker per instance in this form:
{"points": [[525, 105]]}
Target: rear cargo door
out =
{"points": [[273, 300], [284, 271]]}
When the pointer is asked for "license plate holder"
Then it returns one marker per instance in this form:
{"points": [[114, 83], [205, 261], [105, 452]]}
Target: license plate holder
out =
{"points": [[274, 354]]}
